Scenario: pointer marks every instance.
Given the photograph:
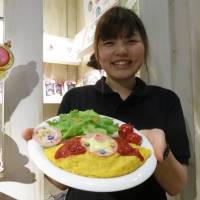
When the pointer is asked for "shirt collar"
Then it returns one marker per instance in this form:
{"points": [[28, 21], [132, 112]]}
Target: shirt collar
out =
{"points": [[140, 88]]}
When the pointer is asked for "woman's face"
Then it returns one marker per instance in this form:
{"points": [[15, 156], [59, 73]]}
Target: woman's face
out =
{"points": [[121, 58]]}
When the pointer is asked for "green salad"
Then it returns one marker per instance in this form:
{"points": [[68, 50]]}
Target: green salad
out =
{"points": [[83, 122]]}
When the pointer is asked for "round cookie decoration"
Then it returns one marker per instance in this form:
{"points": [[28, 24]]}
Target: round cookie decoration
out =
{"points": [[6, 59]]}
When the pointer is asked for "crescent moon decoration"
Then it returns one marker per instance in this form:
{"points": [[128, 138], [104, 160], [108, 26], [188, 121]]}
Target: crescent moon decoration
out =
{"points": [[6, 59]]}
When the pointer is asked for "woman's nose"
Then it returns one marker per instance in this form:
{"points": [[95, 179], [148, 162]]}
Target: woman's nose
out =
{"points": [[121, 49]]}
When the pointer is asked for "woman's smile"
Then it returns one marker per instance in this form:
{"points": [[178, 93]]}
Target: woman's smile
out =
{"points": [[122, 63]]}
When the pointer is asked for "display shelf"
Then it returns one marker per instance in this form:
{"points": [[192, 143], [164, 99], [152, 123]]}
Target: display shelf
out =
{"points": [[53, 91], [52, 99], [59, 50], [50, 96]]}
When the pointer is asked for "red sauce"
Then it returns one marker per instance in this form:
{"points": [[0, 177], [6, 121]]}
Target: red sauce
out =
{"points": [[70, 147], [126, 131], [73, 147], [125, 149], [133, 138]]}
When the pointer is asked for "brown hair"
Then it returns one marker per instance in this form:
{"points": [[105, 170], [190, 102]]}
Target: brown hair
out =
{"points": [[117, 22]]}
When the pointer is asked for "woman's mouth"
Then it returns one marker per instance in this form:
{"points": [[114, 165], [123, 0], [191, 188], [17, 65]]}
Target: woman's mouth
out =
{"points": [[122, 63]]}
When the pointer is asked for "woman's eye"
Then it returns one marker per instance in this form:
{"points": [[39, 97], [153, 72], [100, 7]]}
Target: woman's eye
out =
{"points": [[132, 41], [108, 43]]}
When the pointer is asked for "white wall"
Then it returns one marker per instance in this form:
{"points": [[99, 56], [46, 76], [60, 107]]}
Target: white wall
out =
{"points": [[23, 97]]}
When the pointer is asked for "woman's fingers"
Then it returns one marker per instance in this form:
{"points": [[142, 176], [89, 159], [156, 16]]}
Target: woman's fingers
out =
{"points": [[157, 139], [27, 133], [158, 153]]}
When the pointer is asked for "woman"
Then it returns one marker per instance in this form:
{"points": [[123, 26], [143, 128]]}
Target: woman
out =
{"points": [[120, 49]]}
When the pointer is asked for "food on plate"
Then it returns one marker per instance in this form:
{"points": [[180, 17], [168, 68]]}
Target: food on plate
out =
{"points": [[99, 144], [82, 122], [126, 131], [88, 163], [69, 148], [47, 136], [92, 145]]}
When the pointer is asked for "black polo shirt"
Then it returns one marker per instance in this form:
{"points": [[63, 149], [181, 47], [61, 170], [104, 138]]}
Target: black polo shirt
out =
{"points": [[146, 107]]}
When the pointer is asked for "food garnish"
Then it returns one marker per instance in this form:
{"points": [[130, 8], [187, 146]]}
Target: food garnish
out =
{"points": [[47, 136], [70, 147], [126, 131], [78, 123]]}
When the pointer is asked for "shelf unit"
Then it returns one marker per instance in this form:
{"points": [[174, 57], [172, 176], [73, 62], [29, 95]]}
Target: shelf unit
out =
{"points": [[52, 99], [56, 81]]}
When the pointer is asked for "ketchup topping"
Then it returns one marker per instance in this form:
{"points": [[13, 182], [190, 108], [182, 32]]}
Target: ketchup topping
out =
{"points": [[126, 131], [125, 149], [73, 146], [70, 147]]}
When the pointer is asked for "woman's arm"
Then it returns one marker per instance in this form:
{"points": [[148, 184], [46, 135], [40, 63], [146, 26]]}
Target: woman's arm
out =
{"points": [[170, 173]]}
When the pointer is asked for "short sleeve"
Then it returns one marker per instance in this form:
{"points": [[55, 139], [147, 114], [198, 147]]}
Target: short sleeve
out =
{"points": [[175, 130]]}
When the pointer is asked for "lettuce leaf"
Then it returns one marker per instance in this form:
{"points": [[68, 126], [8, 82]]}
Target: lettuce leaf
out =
{"points": [[83, 122]]}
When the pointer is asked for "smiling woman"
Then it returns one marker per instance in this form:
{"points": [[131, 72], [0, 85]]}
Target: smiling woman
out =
{"points": [[121, 48], [130, 99]]}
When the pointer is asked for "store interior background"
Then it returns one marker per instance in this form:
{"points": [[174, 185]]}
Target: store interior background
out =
{"points": [[174, 35]]}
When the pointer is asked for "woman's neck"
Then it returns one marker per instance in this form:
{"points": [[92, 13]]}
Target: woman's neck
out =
{"points": [[123, 88]]}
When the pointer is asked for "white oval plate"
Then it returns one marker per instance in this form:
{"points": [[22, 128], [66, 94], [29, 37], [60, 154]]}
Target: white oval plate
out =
{"points": [[93, 184]]}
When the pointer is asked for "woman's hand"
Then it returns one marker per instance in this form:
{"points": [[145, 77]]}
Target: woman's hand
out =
{"points": [[27, 133], [157, 139]]}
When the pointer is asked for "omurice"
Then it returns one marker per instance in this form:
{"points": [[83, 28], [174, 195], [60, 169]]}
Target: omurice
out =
{"points": [[97, 155]]}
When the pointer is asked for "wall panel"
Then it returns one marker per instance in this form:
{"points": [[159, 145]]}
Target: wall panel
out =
{"points": [[23, 98]]}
